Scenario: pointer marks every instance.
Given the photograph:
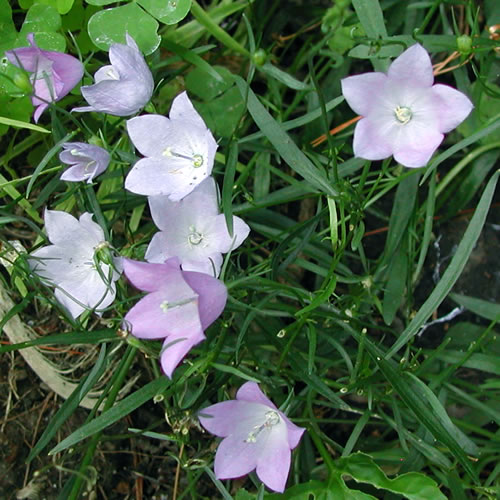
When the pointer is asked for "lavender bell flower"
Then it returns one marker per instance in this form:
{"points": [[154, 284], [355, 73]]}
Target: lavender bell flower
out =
{"points": [[53, 74], [88, 161], [403, 113], [69, 265], [193, 230], [256, 436], [179, 151], [179, 306], [122, 88]]}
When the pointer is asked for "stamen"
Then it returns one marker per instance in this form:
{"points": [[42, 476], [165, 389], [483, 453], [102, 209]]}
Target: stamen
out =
{"points": [[194, 238], [403, 114], [197, 159], [272, 419], [164, 306]]}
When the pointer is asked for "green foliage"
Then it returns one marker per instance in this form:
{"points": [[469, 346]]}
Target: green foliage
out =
{"points": [[339, 301]]}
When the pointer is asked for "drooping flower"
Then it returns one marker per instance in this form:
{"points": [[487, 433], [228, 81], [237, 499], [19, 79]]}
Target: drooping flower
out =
{"points": [[87, 160], [179, 306], [179, 151], [256, 436], [70, 266], [122, 88], [403, 113], [53, 74], [193, 230]]}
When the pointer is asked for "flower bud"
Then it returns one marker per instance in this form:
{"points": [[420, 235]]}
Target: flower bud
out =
{"points": [[464, 44], [259, 57]]}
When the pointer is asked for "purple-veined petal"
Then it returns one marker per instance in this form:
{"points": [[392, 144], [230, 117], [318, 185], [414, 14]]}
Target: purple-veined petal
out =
{"points": [[294, 432], [250, 391], [212, 296], [413, 65], [174, 350], [360, 91], [453, 107], [273, 464]]}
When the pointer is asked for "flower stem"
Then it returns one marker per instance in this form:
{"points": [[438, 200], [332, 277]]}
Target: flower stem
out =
{"points": [[117, 383], [215, 30]]}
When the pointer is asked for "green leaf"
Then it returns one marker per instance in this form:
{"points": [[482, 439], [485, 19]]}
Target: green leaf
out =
{"points": [[167, 11], [429, 411], [19, 124], [115, 413], [64, 6], [453, 271], [283, 77], [412, 485], [288, 150], [482, 308], [371, 17], [71, 404], [395, 286], [7, 28], [100, 2], [110, 25], [44, 18]]}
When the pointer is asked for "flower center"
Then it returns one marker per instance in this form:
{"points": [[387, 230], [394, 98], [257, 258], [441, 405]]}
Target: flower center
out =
{"points": [[272, 419], [403, 114], [194, 238], [196, 159]]}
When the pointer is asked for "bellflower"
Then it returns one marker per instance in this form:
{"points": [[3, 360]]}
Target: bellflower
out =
{"points": [[53, 74], [68, 264], [123, 87], [256, 436], [178, 307], [87, 160], [193, 230], [179, 151], [403, 113]]}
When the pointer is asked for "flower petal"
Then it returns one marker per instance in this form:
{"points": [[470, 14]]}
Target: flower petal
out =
{"points": [[234, 457], [273, 464], [225, 242], [370, 142], [212, 296], [174, 350], [211, 265], [158, 251], [250, 391], [61, 226], [453, 107], [183, 109], [232, 417], [150, 277], [361, 91], [413, 65], [150, 134]]}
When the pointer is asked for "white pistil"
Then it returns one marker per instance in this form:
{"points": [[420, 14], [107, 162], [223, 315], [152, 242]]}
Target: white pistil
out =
{"points": [[403, 114], [196, 159], [164, 306], [272, 419]]}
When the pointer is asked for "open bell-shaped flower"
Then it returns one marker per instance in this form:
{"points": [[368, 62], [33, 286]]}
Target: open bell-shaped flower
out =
{"points": [[256, 436], [122, 88], [179, 151], [193, 230], [403, 113], [69, 264], [53, 74], [87, 161], [178, 307]]}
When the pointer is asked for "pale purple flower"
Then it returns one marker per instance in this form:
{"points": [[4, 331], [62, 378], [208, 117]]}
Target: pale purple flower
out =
{"points": [[53, 74], [403, 113], [87, 161], [193, 230], [69, 263], [123, 87], [256, 436], [179, 306], [179, 151]]}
